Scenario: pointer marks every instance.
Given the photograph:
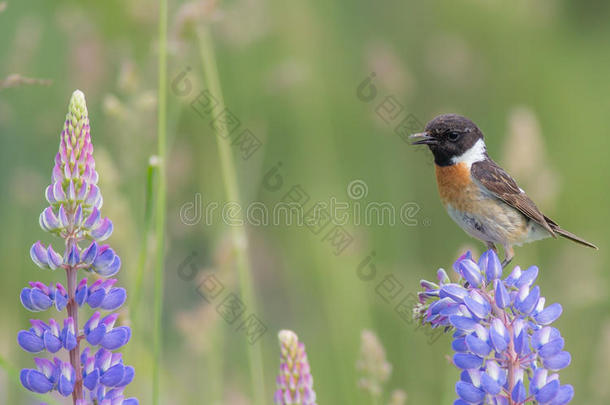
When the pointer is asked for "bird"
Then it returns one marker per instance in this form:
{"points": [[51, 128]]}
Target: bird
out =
{"points": [[480, 196]]}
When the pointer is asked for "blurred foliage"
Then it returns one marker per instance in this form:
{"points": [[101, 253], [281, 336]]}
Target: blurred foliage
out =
{"points": [[533, 75]]}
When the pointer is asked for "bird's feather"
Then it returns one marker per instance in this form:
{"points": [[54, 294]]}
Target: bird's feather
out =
{"points": [[503, 186], [568, 235]]}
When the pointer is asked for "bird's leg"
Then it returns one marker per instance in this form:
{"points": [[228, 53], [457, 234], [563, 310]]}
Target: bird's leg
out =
{"points": [[509, 253], [492, 246]]}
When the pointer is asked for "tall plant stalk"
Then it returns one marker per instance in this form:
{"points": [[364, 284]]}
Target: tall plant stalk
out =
{"points": [[238, 234], [144, 246], [160, 200]]}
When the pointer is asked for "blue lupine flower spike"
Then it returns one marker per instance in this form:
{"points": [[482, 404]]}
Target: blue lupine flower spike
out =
{"points": [[508, 353], [74, 215]]}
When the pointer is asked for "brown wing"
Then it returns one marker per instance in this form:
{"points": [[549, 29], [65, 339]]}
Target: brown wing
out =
{"points": [[499, 183]]}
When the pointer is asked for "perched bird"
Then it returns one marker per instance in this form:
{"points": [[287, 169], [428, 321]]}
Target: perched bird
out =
{"points": [[478, 194]]}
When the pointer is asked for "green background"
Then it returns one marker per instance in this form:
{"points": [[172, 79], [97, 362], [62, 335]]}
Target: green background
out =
{"points": [[532, 75]]}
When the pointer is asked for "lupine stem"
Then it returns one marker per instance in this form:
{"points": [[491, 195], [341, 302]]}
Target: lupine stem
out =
{"points": [[161, 199], [511, 362], [72, 308], [238, 234]]}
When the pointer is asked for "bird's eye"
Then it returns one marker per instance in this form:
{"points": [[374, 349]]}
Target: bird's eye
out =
{"points": [[453, 136]]}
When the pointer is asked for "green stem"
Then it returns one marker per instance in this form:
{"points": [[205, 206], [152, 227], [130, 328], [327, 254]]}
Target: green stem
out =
{"points": [[238, 233], [161, 197], [144, 250], [215, 367]]}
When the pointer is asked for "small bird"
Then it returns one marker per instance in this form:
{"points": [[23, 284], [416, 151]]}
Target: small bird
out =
{"points": [[478, 194]]}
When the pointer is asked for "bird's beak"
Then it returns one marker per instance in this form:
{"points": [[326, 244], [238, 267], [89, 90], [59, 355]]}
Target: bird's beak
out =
{"points": [[423, 138]]}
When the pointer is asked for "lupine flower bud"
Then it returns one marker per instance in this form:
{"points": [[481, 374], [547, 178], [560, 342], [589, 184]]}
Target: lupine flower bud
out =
{"points": [[74, 181], [294, 382], [501, 334], [45, 258]]}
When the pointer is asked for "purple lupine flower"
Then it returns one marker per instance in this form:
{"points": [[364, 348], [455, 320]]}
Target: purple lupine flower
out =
{"points": [[74, 215], [294, 381], [49, 375], [501, 333]]}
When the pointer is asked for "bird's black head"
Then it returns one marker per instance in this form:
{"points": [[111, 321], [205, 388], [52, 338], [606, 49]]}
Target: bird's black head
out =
{"points": [[449, 136]]}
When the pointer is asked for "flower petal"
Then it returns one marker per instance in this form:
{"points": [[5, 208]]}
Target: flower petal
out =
{"points": [[467, 361], [113, 376], [30, 342], [459, 345], [478, 309], [469, 392], [471, 272], [477, 346], [548, 392], [564, 395], [127, 377], [116, 338], [114, 299], [557, 362], [501, 295], [518, 394], [65, 386], [51, 342], [527, 277], [490, 385], [453, 291], [462, 323], [490, 264], [552, 348], [35, 381], [38, 253], [549, 314], [90, 381], [26, 299]]}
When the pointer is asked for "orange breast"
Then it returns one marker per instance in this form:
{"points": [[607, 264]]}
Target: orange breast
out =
{"points": [[455, 186]]}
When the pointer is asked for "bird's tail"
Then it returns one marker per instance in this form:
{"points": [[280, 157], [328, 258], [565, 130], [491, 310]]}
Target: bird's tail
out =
{"points": [[572, 237], [568, 235]]}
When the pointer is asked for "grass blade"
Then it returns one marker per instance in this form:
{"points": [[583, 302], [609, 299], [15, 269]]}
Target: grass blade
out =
{"points": [[160, 201], [238, 234]]}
